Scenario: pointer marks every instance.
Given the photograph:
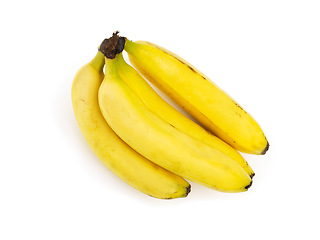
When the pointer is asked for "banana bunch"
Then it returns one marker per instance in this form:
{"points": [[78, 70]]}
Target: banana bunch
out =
{"points": [[148, 143]]}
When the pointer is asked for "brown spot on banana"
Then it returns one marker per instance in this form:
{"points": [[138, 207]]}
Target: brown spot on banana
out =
{"points": [[191, 68], [239, 106]]}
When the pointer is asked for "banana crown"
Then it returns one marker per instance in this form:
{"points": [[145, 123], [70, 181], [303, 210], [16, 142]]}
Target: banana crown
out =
{"points": [[112, 46]]}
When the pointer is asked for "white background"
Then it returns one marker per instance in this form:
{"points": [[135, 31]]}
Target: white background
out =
{"points": [[265, 54]]}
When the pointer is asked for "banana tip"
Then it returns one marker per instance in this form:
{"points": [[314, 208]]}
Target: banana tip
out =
{"points": [[266, 149], [188, 190], [248, 186]]}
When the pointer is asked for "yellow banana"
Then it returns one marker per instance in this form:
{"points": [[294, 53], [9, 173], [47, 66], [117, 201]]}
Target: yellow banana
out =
{"points": [[168, 113], [121, 159], [194, 92], [161, 142]]}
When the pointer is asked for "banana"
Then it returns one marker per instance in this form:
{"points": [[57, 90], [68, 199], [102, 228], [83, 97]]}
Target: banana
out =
{"points": [[122, 160], [198, 95], [168, 113], [161, 142]]}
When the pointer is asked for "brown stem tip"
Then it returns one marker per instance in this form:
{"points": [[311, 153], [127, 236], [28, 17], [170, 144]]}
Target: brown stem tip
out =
{"points": [[249, 185], [110, 47], [266, 149]]}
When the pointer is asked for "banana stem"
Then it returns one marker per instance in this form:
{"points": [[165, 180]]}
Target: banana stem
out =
{"points": [[98, 62], [112, 65]]}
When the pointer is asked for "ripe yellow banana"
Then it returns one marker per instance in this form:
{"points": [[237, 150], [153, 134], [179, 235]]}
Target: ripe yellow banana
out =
{"points": [[168, 113], [121, 159], [194, 92], [161, 142]]}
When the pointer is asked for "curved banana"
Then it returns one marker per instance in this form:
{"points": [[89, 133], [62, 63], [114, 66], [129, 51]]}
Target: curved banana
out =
{"points": [[161, 142], [168, 113], [126, 163], [201, 98]]}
